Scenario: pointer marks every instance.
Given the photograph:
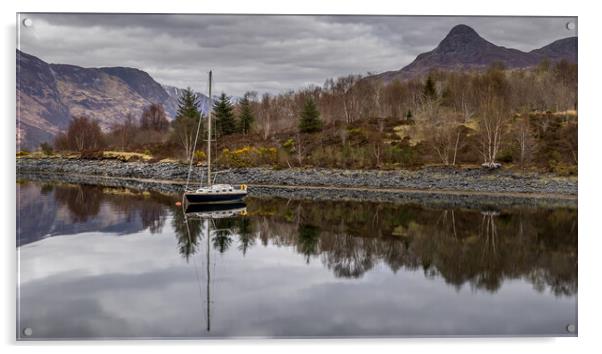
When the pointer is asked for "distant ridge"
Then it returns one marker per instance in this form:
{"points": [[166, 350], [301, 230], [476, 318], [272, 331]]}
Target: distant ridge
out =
{"points": [[48, 95], [463, 48], [565, 48]]}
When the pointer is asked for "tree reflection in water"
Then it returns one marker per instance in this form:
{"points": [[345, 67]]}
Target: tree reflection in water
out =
{"points": [[461, 246], [83, 201], [481, 249], [223, 233], [308, 238], [246, 234], [187, 231]]}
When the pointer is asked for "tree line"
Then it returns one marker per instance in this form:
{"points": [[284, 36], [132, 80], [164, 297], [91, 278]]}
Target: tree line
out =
{"points": [[153, 128], [523, 116]]}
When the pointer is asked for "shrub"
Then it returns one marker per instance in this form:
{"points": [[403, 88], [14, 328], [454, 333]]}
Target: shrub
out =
{"points": [[563, 169], [200, 155], [289, 145], [505, 155], [357, 135], [46, 148], [92, 155], [267, 155], [163, 150], [403, 155], [248, 156]]}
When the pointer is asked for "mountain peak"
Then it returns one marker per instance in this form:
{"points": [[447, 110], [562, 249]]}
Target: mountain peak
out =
{"points": [[462, 29], [460, 36], [464, 49]]}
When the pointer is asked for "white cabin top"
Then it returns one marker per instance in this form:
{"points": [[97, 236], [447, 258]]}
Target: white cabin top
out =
{"points": [[216, 188]]}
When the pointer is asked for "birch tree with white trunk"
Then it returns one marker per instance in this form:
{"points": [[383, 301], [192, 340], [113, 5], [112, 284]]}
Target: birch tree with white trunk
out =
{"points": [[493, 117]]}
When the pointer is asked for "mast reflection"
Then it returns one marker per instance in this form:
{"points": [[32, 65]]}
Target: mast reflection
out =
{"points": [[217, 223]]}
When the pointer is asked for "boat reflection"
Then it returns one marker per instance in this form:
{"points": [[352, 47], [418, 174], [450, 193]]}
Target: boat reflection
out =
{"points": [[215, 211], [213, 218]]}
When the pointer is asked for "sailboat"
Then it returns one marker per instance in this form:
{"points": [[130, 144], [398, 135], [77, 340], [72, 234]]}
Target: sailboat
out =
{"points": [[212, 193]]}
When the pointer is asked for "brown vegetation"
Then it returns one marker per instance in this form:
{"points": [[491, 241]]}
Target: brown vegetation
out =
{"points": [[83, 134], [523, 117]]}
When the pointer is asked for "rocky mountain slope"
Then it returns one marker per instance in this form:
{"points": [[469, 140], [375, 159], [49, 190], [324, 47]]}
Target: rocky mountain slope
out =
{"points": [[48, 95], [463, 48], [40, 110], [565, 48]]}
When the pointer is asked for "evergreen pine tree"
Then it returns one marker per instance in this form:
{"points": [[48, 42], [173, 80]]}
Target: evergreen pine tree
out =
{"points": [[223, 111], [246, 115], [310, 118], [187, 120], [188, 104], [429, 89]]}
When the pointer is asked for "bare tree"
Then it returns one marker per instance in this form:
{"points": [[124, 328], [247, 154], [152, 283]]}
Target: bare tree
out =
{"points": [[441, 129], [82, 134], [445, 140], [123, 133], [377, 150], [394, 97], [524, 138], [299, 149], [493, 116], [265, 115], [345, 89], [153, 118], [184, 133]]}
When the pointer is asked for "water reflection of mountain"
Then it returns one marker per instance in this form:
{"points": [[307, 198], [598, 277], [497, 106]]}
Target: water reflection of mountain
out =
{"points": [[463, 247], [57, 209]]}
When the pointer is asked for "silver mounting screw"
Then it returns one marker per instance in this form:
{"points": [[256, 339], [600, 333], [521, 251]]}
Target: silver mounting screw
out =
{"points": [[27, 332], [571, 328]]}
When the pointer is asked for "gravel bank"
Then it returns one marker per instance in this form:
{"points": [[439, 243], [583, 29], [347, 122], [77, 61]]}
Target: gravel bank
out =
{"points": [[474, 180], [427, 186]]}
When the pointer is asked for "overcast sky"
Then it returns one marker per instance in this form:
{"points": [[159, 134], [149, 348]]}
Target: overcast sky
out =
{"points": [[262, 53]]}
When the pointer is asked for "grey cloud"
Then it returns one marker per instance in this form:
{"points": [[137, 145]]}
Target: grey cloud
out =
{"points": [[112, 295], [262, 53]]}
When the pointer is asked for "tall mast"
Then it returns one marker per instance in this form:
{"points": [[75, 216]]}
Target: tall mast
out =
{"points": [[209, 134]]}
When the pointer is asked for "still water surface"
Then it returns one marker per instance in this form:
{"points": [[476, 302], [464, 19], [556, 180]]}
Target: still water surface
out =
{"points": [[110, 263]]}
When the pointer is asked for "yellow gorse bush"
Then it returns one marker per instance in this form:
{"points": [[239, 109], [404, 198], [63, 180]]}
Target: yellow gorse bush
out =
{"points": [[248, 156], [200, 155]]}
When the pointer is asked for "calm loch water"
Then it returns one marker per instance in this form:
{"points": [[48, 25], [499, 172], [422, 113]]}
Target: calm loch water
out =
{"points": [[113, 263]]}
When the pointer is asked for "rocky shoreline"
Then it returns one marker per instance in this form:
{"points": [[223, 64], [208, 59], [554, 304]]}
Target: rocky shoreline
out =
{"points": [[453, 187]]}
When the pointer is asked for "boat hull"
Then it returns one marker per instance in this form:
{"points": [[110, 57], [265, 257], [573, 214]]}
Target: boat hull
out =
{"points": [[214, 207], [214, 198]]}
